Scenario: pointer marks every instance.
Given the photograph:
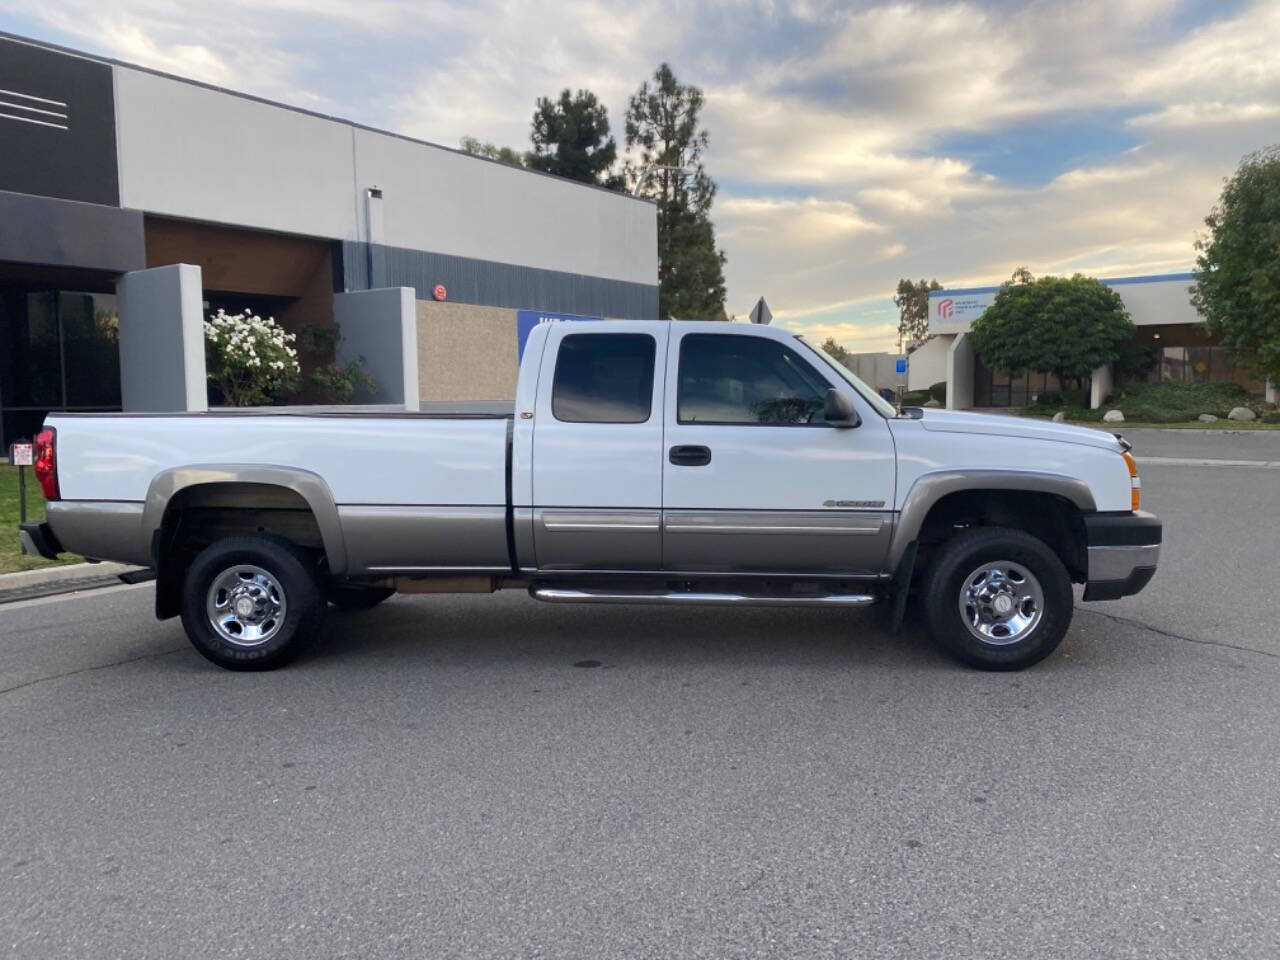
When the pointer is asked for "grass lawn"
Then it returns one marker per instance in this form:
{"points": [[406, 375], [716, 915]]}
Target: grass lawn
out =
{"points": [[11, 557]]}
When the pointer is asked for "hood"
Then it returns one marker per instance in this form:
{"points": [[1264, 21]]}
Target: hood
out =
{"points": [[1002, 425]]}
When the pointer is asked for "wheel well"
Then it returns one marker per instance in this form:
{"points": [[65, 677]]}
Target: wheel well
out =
{"points": [[198, 515], [1050, 518]]}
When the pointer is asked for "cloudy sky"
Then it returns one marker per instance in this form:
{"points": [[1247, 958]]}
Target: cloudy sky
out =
{"points": [[854, 143]]}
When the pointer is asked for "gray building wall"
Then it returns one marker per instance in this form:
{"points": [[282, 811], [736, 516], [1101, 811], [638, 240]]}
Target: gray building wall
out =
{"points": [[495, 284], [162, 367], [381, 327]]}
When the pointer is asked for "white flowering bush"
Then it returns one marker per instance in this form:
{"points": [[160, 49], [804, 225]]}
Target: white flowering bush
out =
{"points": [[250, 359]]}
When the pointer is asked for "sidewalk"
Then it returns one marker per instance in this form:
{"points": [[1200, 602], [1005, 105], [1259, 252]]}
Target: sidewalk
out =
{"points": [[46, 582]]}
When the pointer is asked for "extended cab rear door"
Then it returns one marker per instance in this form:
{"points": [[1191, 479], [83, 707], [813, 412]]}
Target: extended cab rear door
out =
{"points": [[597, 447], [755, 480]]}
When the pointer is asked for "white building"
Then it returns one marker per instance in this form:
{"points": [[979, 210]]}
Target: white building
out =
{"points": [[1159, 306]]}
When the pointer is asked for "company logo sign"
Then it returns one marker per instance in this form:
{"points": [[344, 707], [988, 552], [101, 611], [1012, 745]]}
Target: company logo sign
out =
{"points": [[526, 320], [955, 313]]}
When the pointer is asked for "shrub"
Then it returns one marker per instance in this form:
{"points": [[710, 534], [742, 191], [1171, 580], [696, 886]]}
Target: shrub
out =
{"points": [[249, 359], [939, 392], [344, 383], [915, 398], [1156, 402]]}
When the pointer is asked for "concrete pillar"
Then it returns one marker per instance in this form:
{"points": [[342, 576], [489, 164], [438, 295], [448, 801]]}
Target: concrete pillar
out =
{"points": [[1273, 392], [382, 326], [960, 362], [1102, 384], [162, 367]]}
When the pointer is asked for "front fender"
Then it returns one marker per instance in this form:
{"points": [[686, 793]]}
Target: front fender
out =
{"points": [[929, 488]]}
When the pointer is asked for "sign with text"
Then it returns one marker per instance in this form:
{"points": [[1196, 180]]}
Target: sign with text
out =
{"points": [[20, 455], [526, 320], [955, 311]]}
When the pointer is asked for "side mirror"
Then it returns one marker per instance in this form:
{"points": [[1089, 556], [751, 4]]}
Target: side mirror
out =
{"points": [[839, 411]]}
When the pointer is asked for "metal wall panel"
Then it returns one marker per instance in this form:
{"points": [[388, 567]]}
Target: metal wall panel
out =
{"points": [[57, 125], [495, 284]]}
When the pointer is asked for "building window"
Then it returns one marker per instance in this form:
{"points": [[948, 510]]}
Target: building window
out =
{"points": [[58, 351]]}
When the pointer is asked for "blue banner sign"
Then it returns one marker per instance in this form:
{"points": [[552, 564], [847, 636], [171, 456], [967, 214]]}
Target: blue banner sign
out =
{"points": [[526, 320], [900, 365]]}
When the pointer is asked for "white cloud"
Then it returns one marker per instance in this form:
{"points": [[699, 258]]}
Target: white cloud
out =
{"points": [[834, 126]]}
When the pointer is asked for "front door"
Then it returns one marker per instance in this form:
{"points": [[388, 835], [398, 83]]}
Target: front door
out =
{"points": [[754, 479], [597, 447]]}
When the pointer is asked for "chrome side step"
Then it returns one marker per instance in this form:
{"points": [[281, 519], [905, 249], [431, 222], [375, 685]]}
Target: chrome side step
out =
{"points": [[587, 595]]}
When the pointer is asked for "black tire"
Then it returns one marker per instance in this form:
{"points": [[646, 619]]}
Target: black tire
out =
{"points": [[348, 596], [962, 557], [290, 577]]}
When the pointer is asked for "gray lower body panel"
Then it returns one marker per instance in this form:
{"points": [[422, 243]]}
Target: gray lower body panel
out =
{"points": [[384, 539], [828, 543], [597, 539], [100, 529]]}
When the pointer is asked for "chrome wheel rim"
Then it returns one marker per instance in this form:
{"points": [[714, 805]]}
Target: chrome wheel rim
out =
{"points": [[1001, 603], [246, 605]]}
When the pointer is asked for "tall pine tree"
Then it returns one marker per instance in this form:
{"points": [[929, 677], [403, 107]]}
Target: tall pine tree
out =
{"points": [[663, 129], [571, 139]]}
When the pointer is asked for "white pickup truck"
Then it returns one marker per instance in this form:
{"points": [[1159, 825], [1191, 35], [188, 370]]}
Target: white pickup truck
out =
{"points": [[643, 462]]}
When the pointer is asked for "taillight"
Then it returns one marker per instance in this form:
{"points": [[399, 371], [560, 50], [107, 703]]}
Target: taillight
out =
{"points": [[1136, 484], [46, 463]]}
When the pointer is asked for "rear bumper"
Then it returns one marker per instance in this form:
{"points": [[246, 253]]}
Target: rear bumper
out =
{"points": [[1124, 551], [38, 541]]}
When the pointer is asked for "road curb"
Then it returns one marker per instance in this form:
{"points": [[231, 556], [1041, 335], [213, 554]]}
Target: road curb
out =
{"points": [[49, 581]]}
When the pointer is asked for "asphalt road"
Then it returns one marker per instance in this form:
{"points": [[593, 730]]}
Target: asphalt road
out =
{"points": [[441, 779]]}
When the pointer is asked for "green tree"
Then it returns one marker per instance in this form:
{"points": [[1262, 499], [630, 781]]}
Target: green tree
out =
{"points": [[1067, 326], [571, 139], [912, 301], [507, 155], [1237, 271], [838, 353], [663, 128]]}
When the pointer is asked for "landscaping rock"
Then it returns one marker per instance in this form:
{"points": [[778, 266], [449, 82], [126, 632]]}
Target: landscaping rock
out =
{"points": [[931, 403], [1059, 417], [1113, 416], [1207, 418], [1241, 413]]}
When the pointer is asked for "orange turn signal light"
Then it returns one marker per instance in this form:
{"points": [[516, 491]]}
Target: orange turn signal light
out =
{"points": [[1136, 484]]}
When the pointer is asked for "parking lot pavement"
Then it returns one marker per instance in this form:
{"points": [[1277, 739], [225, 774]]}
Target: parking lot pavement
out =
{"points": [[1207, 444], [1217, 576], [487, 776]]}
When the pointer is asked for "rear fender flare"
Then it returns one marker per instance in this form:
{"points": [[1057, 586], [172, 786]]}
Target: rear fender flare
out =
{"points": [[310, 486]]}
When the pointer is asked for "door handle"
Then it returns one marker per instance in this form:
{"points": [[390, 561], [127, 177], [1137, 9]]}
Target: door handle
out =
{"points": [[689, 455]]}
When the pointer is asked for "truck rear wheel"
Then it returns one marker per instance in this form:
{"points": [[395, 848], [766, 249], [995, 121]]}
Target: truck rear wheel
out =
{"points": [[252, 603], [997, 599]]}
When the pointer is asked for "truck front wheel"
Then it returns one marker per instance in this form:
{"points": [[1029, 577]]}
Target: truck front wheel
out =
{"points": [[997, 599], [252, 603]]}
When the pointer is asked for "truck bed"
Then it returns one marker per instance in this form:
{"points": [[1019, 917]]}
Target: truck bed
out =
{"points": [[454, 457]]}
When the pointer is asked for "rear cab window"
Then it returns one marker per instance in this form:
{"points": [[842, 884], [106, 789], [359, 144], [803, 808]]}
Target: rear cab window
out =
{"points": [[604, 378]]}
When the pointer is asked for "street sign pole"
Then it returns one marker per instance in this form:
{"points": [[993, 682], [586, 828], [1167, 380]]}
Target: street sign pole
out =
{"points": [[20, 456]]}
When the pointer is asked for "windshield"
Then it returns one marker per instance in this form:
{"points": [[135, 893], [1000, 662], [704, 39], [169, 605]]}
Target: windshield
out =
{"points": [[882, 406]]}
